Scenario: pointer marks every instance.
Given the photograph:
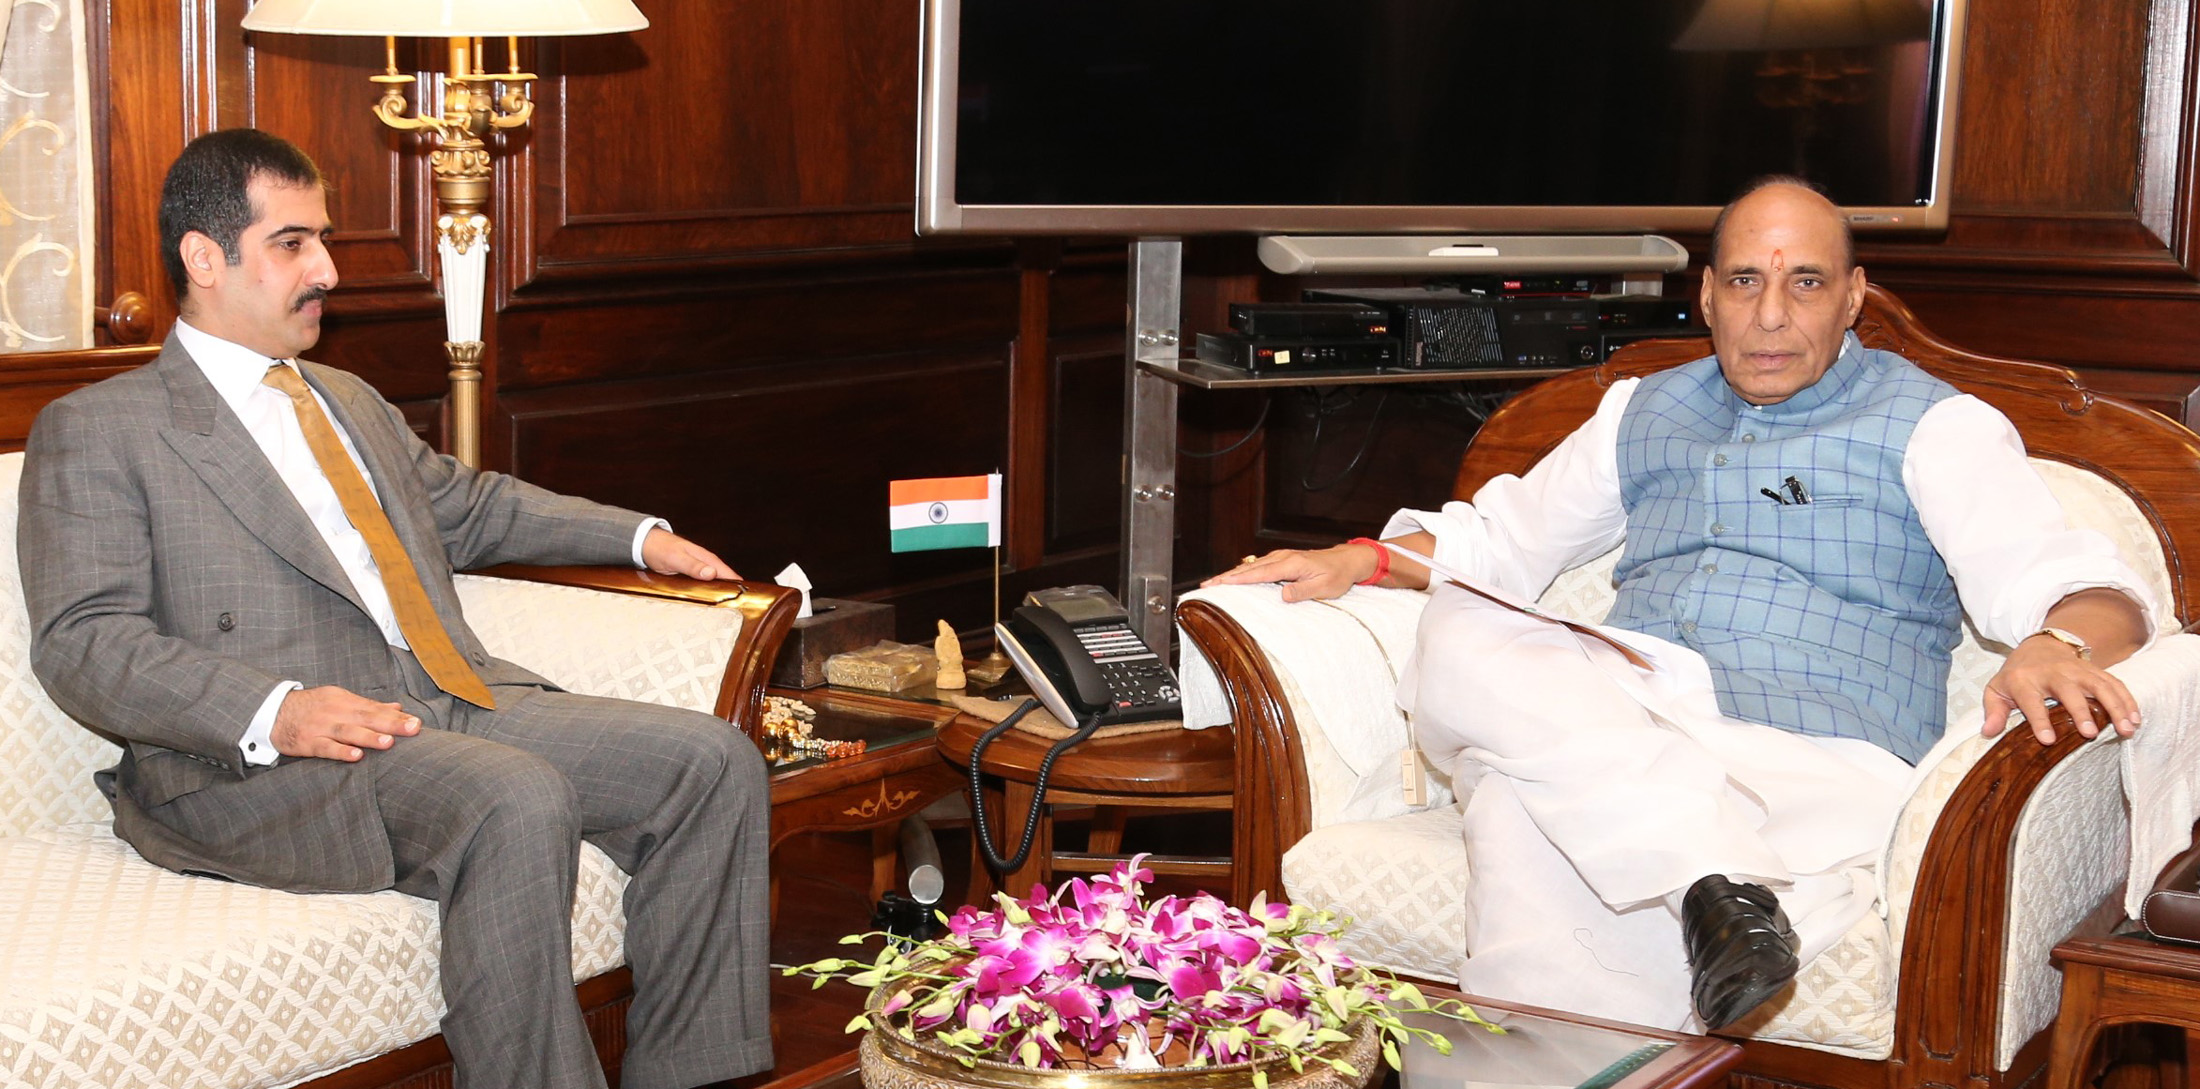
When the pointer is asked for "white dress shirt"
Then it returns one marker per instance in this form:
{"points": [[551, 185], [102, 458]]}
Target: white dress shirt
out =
{"points": [[237, 374]]}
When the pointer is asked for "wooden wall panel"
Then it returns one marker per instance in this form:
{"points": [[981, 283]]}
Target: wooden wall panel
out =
{"points": [[1084, 449], [744, 322], [1084, 476], [792, 104], [775, 127], [2050, 106], [2084, 330], [782, 463], [375, 175], [136, 56], [2073, 190]]}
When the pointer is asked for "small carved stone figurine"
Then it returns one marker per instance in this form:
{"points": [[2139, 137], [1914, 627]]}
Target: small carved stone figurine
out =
{"points": [[949, 650]]}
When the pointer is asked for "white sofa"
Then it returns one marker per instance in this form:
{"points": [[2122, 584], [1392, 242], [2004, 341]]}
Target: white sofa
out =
{"points": [[116, 973]]}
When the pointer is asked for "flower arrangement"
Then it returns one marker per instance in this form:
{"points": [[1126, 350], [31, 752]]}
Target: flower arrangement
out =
{"points": [[1093, 975]]}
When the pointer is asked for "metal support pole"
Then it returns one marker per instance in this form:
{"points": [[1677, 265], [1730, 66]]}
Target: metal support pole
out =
{"points": [[1149, 437]]}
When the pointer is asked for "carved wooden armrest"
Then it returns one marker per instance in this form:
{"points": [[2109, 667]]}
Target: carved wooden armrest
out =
{"points": [[1271, 766], [767, 612], [1949, 1002]]}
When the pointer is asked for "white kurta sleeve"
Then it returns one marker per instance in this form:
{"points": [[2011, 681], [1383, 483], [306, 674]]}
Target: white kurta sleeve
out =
{"points": [[2000, 529], [1520, 532]]}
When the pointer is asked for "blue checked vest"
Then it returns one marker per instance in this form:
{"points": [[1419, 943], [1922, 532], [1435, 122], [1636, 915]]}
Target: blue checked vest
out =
{"points": [[1834, 617]]}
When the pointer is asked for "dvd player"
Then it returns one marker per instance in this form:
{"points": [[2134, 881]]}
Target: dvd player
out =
{"points": [[1309, 319], [1299, 355]]}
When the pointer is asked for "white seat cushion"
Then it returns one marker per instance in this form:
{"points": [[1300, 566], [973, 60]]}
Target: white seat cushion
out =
{"points": [[625, 646], [121, 974], [1403, 882]]}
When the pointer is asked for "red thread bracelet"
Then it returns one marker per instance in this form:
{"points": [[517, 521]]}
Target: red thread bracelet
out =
{"points": [[1382, 560]]}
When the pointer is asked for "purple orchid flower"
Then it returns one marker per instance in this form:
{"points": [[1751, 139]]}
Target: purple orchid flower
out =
{"points": [[1036, 980]]}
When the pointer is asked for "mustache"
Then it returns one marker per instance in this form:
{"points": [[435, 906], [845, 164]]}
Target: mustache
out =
{"points": [[309, 295]]}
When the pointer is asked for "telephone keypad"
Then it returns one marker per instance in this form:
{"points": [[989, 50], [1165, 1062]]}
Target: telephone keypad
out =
{"points": [[1135, 675]]}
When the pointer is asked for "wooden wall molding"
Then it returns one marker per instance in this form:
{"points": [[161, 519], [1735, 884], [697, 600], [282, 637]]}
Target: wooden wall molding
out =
{"points": [[757, 322]]}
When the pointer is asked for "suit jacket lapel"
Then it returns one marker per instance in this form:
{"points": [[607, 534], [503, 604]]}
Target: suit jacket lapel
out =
{"points": [[214, 443], [380, 447]]}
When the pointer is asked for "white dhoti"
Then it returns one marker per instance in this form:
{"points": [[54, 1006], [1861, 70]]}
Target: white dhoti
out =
{"points": [[1597, 790]]}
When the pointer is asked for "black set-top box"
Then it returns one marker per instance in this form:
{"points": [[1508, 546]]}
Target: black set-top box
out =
{"points": [[1440, 328], [1325, 320], [1662, 312], [1299, 355], [1514, 287]]}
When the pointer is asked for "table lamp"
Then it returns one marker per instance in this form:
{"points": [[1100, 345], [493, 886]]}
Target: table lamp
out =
{"points": [[475, 103]]}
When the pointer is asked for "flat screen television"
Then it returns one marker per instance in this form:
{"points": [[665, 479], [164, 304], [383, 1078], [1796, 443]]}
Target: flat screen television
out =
{"points": [[1172, 117]]}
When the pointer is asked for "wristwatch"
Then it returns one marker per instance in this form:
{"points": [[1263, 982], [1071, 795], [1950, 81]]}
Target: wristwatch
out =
{"points": [[2084, 649]]}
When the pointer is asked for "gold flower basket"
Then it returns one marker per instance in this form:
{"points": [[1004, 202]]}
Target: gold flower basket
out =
{"points": [[891, 1062]]}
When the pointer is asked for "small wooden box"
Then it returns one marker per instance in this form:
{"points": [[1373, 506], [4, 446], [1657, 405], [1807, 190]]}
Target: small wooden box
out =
{"points": [[833, 626]]}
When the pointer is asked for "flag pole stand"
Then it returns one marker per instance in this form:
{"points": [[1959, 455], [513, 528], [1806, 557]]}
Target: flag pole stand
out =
{"points": [[994, 665]]}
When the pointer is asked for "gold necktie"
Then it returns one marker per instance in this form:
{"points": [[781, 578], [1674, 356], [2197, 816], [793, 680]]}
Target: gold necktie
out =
{"points": [[431, 644]]}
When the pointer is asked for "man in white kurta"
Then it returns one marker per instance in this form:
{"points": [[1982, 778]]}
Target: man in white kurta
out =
{"points": [[1599, 791]]}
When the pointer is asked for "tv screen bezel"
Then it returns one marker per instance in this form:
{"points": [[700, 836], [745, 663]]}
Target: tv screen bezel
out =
{"points": [[937, 211]]}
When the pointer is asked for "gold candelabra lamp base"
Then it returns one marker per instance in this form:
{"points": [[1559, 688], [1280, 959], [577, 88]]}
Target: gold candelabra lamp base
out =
{"points": [[476, 103]]}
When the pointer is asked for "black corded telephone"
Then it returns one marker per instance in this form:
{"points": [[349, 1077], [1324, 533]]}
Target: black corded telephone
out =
{"points": [[1075, 647]]}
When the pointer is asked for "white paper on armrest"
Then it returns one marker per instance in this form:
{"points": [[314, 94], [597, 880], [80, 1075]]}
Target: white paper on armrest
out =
{"points": [[2161, 763], [1199, 688], [1344, 655]]}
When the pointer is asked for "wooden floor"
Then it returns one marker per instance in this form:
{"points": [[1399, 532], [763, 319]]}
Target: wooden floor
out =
{"points": [[823, 895]]}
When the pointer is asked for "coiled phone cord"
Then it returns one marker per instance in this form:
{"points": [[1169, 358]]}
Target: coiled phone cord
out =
{"points": [[1038, 788]]}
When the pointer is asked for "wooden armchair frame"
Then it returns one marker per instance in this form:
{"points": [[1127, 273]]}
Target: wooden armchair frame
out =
{"points": [[1948, 1000]]}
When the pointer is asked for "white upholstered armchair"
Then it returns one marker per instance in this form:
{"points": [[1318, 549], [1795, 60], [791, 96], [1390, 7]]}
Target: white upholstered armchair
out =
{"points": [[2003, 848], [114, 972]]}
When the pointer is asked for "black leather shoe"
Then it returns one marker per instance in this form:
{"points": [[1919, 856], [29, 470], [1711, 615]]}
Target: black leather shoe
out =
{"points": [[1741, 950]]}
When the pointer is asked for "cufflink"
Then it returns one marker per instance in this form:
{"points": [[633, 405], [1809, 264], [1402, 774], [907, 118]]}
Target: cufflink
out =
{"points": [[2068, 639]]}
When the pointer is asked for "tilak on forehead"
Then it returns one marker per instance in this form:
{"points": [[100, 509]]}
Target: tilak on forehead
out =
{"points": [[1779, 260]]}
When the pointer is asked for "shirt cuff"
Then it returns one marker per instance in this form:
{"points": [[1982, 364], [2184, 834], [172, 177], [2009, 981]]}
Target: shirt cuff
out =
{"points": [[641, 533], [258, 745]]}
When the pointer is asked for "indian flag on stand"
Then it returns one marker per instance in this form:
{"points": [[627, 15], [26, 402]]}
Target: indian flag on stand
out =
{"points": [[945, 512]]}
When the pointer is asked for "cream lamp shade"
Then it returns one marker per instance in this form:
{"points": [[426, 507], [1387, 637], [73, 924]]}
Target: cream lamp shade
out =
{"points": [[1769, 25], [445, 18]]}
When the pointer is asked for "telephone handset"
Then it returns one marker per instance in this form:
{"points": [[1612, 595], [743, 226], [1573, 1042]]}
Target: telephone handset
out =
{"points": [[1075, 647]]}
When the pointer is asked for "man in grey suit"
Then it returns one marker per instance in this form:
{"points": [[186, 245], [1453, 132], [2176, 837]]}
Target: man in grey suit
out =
{"points": [[301, 702]]}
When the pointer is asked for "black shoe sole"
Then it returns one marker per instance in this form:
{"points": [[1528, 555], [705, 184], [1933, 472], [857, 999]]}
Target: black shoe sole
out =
{"points": [[1750, 990]]}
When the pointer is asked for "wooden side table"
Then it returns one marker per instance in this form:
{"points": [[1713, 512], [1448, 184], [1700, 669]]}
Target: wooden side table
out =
{"points": [[898, 774], [1177, 769], [2120, 980]]}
